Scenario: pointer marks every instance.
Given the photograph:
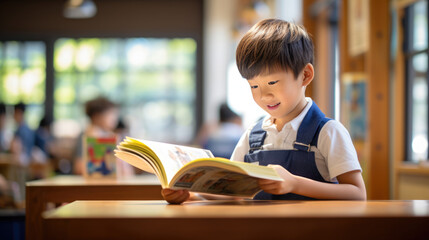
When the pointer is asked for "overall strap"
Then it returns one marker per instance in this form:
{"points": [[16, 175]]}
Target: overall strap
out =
{"points": [[309, 129], [257, 137]]}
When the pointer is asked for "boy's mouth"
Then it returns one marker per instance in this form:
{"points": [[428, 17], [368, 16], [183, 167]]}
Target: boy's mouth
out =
{"points": [[274, 106]]}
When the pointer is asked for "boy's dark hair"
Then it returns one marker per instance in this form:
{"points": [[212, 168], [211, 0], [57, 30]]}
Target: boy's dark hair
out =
{"points": [[225, 113], [19, 106], [45, 122], [98, 105], [271, 45]]}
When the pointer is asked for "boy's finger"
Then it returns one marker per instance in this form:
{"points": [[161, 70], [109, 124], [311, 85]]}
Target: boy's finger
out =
{"points": [[265, 181], [178, 197], [272, 165], [171, 194], [175, 193], [183, 197], [167, 191]]}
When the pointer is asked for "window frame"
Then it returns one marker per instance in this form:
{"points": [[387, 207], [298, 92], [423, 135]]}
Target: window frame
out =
{"points": [[409, 54], [48, 104]]}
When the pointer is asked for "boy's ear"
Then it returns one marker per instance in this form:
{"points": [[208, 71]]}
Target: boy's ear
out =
{"points": [[308, 74]]}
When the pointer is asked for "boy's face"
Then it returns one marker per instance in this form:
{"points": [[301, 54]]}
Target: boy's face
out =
{"points": [[107, 119], [18, 115], [280, 94]]}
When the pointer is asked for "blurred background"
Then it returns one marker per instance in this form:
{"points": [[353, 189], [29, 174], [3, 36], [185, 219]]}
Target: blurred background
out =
{"points": [[169, 65]]}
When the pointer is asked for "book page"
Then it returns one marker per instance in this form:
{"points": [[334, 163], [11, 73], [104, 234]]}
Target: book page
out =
{"points": [[135, 160], [148, 161], [250, 169], [173, 157], [215, 180], [222, 176]]}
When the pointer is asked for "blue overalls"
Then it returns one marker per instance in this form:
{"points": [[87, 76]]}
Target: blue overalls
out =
{"points": [[299, 161]]}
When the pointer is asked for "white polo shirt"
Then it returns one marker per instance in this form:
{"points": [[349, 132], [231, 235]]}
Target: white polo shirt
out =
{"points": [[335, 153]]}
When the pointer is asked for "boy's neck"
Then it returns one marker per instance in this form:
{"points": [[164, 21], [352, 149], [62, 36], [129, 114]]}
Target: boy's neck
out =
{"points": [[281, 122]]}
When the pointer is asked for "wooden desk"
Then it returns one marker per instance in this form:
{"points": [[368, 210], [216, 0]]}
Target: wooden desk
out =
{"points": [[12, 170], [7, 161], [239, 220], [70, 188]]}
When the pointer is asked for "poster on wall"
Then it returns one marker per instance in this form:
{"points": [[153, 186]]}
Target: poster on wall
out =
{"points": [[354, 109], [354, 112], [358, 26]]}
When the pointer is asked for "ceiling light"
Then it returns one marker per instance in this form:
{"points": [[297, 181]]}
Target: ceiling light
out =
{"points": [[80, 9]]}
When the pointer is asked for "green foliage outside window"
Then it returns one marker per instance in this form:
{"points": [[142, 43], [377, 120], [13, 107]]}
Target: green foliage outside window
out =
{"points": [[22, 76], [152, 79]]}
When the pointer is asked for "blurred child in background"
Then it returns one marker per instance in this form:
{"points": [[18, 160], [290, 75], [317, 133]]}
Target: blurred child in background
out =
{"points": [[23, 141], [103, 117]]}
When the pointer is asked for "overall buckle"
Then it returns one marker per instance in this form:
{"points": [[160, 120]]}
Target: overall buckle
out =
{"points": [[253, 149], [301, 144]]}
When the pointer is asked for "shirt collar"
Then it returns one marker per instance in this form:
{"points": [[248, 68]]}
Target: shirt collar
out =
{"points": [[294, 123]]}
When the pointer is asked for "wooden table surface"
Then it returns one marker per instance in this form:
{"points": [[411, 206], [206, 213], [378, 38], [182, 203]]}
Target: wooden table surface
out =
{"points": [[65, 189], [239, 220]]}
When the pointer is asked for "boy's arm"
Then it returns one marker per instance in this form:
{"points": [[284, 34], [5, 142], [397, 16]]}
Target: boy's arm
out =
{"points": [[350, 187]]}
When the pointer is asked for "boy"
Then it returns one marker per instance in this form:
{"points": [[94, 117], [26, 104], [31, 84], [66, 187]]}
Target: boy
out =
{"points": [[103, 117], [313, 154]]}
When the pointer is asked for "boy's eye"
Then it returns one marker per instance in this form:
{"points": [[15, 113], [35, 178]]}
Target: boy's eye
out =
{"points": [[273, 82], [254, 87]]}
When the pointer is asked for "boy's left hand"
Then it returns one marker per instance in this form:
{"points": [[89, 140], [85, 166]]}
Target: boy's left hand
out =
{"points": [[279, 187]]}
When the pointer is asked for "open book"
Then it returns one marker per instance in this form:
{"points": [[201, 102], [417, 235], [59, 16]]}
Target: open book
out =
{"points": [[194, 169]]}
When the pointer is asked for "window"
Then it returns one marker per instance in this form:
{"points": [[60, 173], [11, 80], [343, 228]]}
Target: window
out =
{"points": [[416, 51], [23, 76], [153, 79]]}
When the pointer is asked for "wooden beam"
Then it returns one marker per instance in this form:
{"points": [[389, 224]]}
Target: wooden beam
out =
{"points": [[310, 26], [377, 66], [399, 101]]}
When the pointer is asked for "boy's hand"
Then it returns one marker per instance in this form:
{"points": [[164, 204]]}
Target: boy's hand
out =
{"points": [[277, 187], [175, 196]]}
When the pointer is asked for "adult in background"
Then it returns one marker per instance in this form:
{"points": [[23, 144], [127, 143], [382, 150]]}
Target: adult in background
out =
{"points": [[222, 140], [23, 140]]}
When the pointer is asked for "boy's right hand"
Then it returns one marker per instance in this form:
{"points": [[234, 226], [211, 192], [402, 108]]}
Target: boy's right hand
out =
{"points": [[175, 196]]}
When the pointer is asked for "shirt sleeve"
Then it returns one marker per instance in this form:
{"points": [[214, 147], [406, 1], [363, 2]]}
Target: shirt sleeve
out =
{"points": [[337, 148], [242, 147]]}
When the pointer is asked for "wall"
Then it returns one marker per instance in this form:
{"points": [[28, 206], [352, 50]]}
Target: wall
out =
{"points": [[221, 37], [218, 24], [41, 18], [412, 185]]}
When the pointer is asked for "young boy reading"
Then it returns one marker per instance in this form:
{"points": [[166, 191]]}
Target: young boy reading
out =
{"points": [[313, 154]]}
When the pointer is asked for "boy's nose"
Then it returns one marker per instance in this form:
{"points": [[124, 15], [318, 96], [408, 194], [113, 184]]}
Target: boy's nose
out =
{"points": [[266, 94]]}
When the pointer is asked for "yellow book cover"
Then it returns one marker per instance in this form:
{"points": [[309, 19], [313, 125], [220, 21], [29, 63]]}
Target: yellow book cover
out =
{"points": [[194, 169]]}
